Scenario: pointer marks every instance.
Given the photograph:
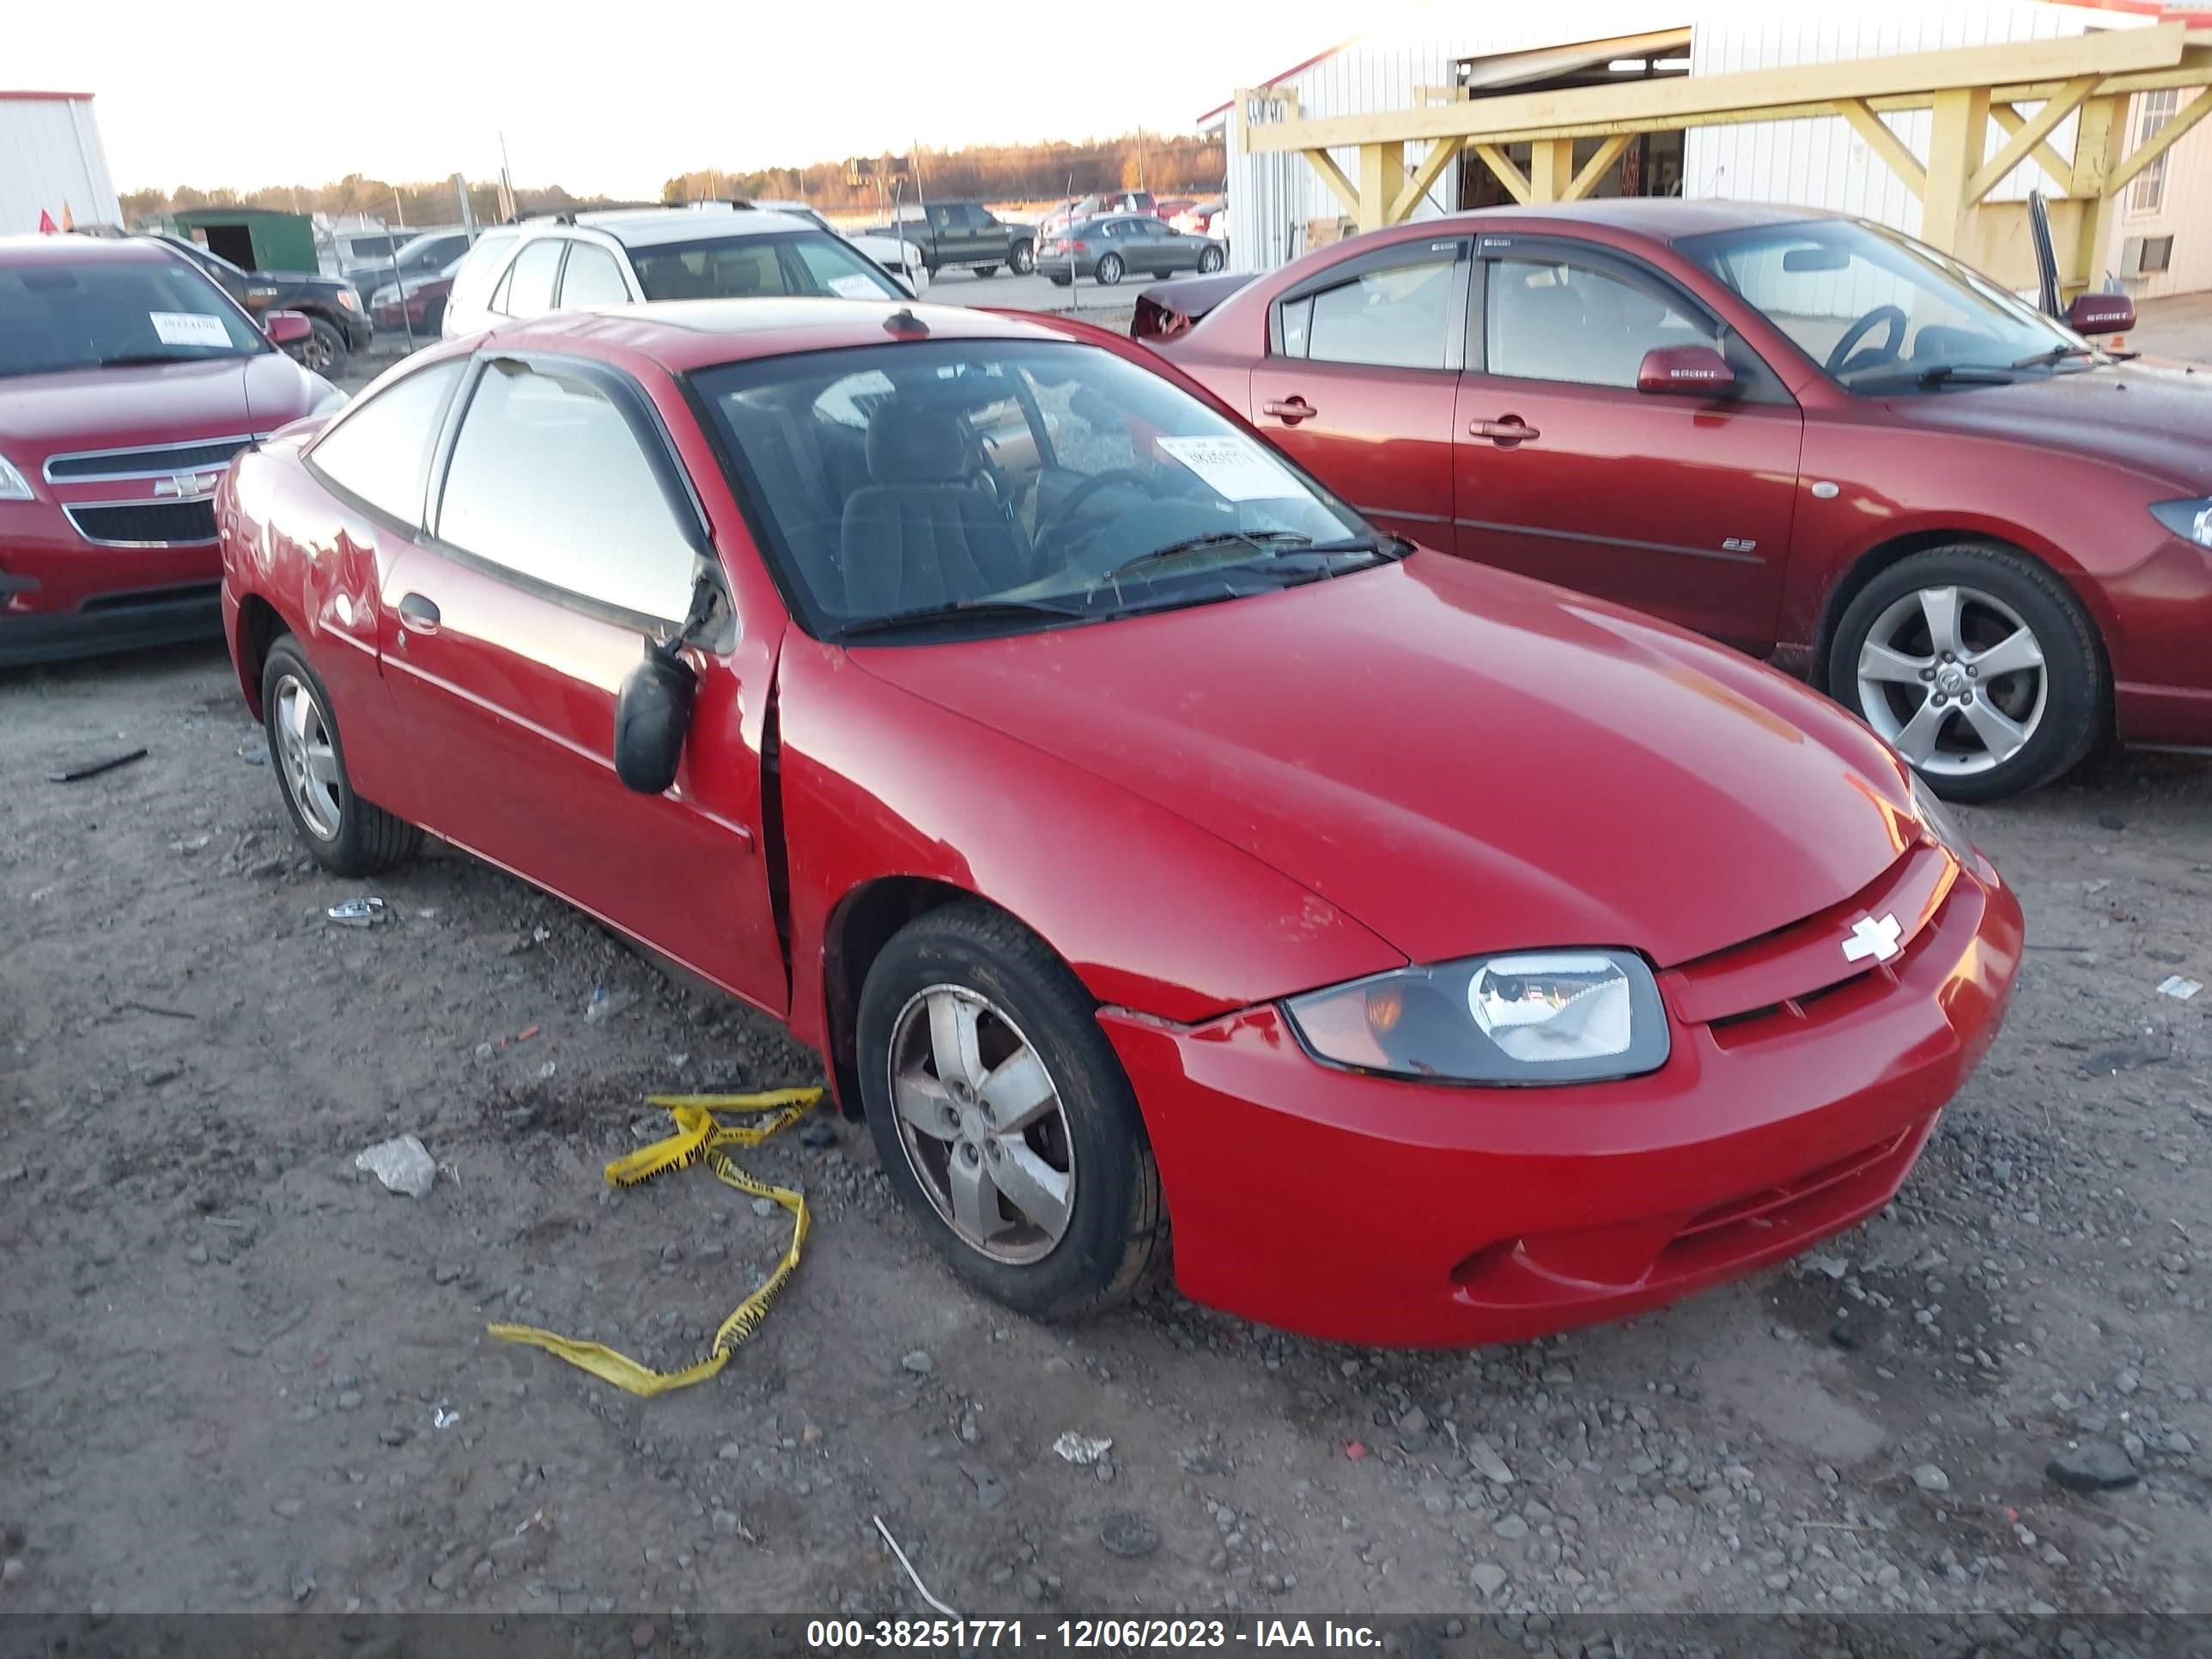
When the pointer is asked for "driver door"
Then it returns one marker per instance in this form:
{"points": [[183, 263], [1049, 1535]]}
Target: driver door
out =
{"points": [[562, 539], [1681, 505]]}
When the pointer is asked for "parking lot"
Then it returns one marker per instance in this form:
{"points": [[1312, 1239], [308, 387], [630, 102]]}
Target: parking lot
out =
{"points": [[214, 1314]]}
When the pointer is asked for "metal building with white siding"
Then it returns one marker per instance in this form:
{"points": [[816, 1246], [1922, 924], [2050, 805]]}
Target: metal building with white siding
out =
{"points": [[2162, 240], [52, 162]]}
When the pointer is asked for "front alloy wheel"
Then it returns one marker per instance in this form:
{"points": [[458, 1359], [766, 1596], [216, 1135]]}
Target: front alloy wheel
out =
{"points": [[346, 834], [981, 1124], [1003, 1116], [1110, 270], [1976, 665]]}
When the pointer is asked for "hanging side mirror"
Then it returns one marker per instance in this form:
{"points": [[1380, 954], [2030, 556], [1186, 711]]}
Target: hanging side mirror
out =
{"points": [[653, 711]]}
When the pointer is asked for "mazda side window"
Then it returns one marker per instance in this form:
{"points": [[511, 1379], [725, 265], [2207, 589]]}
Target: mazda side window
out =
{"points": [[1549, 321], [378, 453], [548, 480], [1401, 316]]}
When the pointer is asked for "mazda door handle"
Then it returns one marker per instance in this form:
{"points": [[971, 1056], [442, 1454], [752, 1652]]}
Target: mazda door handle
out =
{"points": [[419, 614], [1505, 432], [1289, 410]]}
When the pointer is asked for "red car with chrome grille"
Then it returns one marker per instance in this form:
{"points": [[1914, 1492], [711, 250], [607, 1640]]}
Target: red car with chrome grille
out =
{"points": [[1139, 837], [1803, 434], [129, 381]]}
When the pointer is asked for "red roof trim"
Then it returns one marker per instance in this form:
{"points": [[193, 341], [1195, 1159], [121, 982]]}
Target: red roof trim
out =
{"points": [[1295, 69], [45, 97]]}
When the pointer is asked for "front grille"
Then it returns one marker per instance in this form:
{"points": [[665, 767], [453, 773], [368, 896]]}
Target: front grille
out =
{"points": [[143, 523], [156, 461]]}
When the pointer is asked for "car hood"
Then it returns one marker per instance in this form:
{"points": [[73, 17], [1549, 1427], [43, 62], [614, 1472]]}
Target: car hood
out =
{"points": [[1463, 761], [155, 403], [2150, 416]]}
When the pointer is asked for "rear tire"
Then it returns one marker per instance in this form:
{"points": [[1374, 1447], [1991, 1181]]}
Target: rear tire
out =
{"points": [[344, 833], [434, 319], [1916, 656], [1062, 282], [1086, 1150], [1110, 270], [1210, 261]]}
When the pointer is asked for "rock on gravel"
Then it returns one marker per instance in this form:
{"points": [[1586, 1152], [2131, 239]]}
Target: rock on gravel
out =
{"points": [[2093, 1466], [919, 1363], [1488, 1577], [1929, 1478]]}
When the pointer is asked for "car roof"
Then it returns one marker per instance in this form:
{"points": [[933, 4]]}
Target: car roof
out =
{"points": [[653, 226], [682, 335], [69, 249], [1663, 218]]}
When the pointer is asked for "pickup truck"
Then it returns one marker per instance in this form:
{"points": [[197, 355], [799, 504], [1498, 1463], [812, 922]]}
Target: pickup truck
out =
{"points": [[965, 234]]}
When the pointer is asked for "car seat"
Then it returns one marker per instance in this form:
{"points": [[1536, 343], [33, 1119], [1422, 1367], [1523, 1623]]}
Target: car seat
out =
{"points": [[921, 534]]}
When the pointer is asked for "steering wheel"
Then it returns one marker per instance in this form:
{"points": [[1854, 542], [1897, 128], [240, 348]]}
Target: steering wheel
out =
{"points": [[1083, 491], [1858, 330]]}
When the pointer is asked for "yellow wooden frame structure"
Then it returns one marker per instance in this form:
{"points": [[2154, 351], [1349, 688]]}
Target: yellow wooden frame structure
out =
{"points": [[2028, 88]]}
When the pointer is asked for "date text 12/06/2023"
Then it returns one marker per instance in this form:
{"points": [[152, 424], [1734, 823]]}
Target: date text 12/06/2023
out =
{"points": [[1088, 1635]]}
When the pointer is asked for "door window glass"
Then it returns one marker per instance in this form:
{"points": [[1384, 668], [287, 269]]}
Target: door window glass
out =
{"points": [[1402, 316], [530, 284], [1548, 321], [477, 267], [591, 278], [548, 480], [379, 450]]}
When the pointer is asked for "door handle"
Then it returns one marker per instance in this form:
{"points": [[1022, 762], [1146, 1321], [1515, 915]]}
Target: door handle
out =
{"points": [[419, 614], [1505, 432], [1289, 410]]}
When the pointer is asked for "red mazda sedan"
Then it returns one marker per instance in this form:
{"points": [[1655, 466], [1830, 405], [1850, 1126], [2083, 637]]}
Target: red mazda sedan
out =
{"points": [[1137, 833], [1804, 434], [127, 380]]}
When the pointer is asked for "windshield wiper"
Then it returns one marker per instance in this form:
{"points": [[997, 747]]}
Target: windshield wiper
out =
{"points": [[1273, 543], [2057, 354], [962, 610], [140, 359]]}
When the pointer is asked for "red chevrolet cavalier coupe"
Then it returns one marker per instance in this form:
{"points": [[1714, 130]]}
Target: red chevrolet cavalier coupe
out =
{"points": [[1137, 833], [128, 381], [1807, 435]]}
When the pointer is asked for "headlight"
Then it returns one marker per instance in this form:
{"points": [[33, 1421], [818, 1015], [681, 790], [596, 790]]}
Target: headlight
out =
{"points": [[2191, 521], [13, 487], [1531, 1016], [1940, 824], [349, 299]]}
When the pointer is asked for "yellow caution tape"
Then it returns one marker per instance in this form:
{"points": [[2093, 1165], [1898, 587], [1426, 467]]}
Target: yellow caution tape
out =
{"points": [[698, 1135]]}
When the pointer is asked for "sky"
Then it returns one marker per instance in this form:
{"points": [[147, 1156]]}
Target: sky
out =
{"points": [[599, 106]]}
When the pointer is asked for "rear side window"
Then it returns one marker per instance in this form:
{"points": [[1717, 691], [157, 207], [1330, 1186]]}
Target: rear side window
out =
{"points": [[1400, 316], [477, 269], [530, 283], [591, 278], [378, 452], [548, 480]]}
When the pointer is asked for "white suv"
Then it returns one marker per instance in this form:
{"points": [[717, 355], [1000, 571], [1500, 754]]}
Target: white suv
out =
{"points": [[623, 256]]}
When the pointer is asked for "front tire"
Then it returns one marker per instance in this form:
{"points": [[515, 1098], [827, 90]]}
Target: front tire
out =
{"points": [[1110, 270], [1023, 258], [323, 350], [1978, 664], [346, 834], [1003, 1118]]}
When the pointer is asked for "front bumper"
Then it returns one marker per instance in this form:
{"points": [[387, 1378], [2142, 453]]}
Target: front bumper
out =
{"points": [[1371, 1210], [2162, 615], [62, 596]]}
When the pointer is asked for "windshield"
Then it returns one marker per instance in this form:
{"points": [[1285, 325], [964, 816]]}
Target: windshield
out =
{"points": [[432, 245], [806, 264], [1000, 484], [1882, 312], [109, 312]]}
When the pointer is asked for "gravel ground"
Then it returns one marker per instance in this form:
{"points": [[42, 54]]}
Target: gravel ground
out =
{"points": [[212, 1315]]}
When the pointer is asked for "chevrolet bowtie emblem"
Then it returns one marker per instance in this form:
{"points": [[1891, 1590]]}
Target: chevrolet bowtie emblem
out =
{"points": [[1870, 937], [188, 484]]}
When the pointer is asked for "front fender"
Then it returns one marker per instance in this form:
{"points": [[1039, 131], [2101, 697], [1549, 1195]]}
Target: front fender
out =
{"points": [[1153, 914]]}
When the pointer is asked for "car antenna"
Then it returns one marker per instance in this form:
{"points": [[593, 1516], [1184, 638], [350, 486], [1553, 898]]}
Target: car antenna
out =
{"points": [[903, 321]]}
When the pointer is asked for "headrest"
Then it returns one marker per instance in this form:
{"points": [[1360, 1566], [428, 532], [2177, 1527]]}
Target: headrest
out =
{"points": [[912, 444]]}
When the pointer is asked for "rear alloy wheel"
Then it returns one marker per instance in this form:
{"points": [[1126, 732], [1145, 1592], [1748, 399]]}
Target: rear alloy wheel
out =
{"points": [[347, 836], [1003, 1117], [1023, 258], [1210, 261], [1110, 270], [1976, 665]]}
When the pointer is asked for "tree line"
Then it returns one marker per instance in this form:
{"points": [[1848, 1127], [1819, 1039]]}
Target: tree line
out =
{"points": [[994, 173]]}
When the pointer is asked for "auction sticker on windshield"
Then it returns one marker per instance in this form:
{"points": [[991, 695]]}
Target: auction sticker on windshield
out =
{"points": [[1234, 468], [854, 287], [188, 328]]}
